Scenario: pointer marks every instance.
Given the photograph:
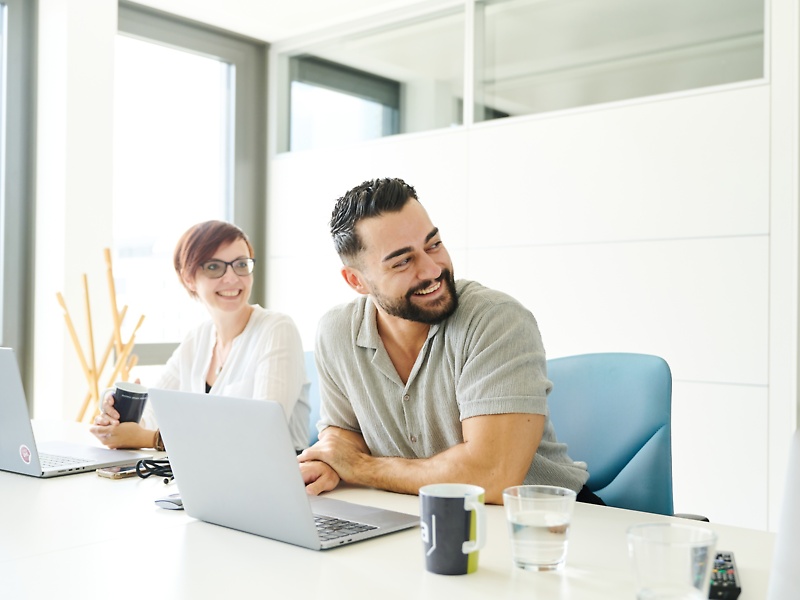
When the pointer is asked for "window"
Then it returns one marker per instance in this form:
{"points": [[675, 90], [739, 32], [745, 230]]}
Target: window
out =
{"points": [[400, 78], [189, 147], [540, 56], [172, 159], [333, 104], [521, 57]]}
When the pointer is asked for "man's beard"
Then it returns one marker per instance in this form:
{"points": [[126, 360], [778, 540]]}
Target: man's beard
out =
{"points": [[404, 308]]}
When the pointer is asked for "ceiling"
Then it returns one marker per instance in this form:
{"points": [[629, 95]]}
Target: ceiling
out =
{"points": [[275, 20], [583, 51]]}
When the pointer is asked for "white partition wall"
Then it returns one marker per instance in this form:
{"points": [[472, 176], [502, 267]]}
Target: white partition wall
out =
{"points": [[642, 226]]}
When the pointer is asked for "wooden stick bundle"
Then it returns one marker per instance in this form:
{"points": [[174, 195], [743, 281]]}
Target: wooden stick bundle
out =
{"points": [[100, 368], [93, 389], [112, 292], [125, 360]]}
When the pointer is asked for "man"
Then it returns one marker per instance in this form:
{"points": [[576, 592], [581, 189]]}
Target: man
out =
{"points": [[424, 379]]}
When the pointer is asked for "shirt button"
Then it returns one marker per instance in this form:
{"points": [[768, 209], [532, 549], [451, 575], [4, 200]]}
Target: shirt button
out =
{"points": [[414, 438], [406, 398]]}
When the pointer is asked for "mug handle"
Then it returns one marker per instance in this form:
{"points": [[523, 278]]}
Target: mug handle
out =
{"points": [[474, 504]]}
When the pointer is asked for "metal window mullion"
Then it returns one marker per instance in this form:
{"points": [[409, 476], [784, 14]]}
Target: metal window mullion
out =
{"points": [[470, 62]]}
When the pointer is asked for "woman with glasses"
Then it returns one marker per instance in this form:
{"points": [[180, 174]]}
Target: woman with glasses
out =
{"points": [[243, 350]]}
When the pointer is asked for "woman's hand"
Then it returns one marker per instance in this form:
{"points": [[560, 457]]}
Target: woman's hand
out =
{"points": [[121, 435], [114, 434], [108, 414]]}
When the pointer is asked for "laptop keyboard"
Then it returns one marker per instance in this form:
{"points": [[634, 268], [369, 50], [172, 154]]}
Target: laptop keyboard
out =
{"points": [[330, 528], [51, 461]]}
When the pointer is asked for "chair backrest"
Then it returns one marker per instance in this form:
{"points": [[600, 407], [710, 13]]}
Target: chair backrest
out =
{"points": [[613, 410], [313, 397]]}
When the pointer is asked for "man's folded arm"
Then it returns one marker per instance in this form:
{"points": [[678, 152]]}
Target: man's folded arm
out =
{"points": [[497, 452]]}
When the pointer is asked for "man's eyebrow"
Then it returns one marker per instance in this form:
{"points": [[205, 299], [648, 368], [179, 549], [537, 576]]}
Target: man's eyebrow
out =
{"points": [[396, 253], [400, 251]]}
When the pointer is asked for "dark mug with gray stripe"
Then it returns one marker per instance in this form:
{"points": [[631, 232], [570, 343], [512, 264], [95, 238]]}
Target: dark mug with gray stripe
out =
{"points": [[453, 523]]}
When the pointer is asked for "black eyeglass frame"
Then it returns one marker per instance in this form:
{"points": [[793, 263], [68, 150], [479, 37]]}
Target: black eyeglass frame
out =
{"points": [[218, 274]]}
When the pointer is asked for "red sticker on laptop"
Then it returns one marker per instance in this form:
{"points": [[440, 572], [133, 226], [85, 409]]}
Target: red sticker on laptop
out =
{"points": [[25, 454]]}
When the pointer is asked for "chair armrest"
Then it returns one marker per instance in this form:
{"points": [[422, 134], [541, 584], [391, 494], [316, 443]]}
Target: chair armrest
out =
{"points": [[691, 516]]}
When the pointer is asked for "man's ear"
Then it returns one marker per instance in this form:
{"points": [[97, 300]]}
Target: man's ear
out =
{"points": [[354, 279]]}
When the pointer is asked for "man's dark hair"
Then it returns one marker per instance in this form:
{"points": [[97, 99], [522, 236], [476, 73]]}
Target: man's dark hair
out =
{"points": [[370, 199]]}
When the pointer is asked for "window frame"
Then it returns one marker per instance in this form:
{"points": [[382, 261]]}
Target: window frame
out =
{"points": [[17, 177]]}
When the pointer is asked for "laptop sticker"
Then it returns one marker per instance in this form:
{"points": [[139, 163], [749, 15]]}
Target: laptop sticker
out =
{"points": [[25, 454]]}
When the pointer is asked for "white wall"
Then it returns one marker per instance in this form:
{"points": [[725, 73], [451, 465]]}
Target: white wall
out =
{"points": [[664, 225], [644, 228], [639, 227], [73, 196]]}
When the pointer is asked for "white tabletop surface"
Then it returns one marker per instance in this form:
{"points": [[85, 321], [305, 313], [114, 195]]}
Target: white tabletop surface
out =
{"points": [[82, 536]]}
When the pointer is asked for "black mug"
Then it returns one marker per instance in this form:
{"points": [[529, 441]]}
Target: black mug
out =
{"points": [[129, 401], [453, 523]]}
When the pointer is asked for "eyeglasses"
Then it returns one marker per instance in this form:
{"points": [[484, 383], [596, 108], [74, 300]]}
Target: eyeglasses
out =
{"points": [[215, 268]]}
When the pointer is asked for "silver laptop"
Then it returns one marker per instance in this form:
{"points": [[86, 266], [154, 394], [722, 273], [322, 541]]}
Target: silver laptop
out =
{"points": [[784, 580], [235, 465], [19, 451]]}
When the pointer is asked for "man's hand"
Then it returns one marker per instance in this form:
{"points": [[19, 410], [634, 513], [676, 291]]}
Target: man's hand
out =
{"points": [[318, 477], [496, 452], [343, 451]]}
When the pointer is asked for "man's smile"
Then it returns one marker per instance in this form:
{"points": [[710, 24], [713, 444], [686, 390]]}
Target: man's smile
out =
{"points": [[436, 285]]}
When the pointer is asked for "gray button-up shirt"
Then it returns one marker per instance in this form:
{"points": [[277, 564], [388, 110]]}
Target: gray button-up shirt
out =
{"points": [[486, 358]]}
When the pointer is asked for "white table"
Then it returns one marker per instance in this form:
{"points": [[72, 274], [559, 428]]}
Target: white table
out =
{"points": [[82, 536]]}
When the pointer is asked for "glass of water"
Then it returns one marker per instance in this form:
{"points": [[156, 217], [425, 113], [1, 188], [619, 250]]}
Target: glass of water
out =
{"points": [[538, 523], [671, 560]]}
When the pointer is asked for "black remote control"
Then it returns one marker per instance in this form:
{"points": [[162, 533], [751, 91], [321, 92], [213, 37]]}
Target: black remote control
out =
{"points": [[724, 578]]}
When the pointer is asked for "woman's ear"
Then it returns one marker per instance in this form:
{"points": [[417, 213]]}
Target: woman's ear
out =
{"points": [[189, 283]]}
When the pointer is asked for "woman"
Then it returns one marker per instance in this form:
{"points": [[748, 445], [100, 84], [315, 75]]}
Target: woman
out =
{"points": [[243, 350]]}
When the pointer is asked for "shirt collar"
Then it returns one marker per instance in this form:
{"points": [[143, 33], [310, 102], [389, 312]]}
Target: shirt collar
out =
{"points": [[368, 336]]}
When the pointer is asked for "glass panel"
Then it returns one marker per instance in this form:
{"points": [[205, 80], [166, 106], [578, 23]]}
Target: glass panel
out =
{"points": [[172, 154], [323, 117], [542, 55], [330, 105], [402, 78]]}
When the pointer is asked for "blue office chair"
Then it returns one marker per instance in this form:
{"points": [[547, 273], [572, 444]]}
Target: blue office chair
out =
{"points": [[313, 397], [613, 411]]}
